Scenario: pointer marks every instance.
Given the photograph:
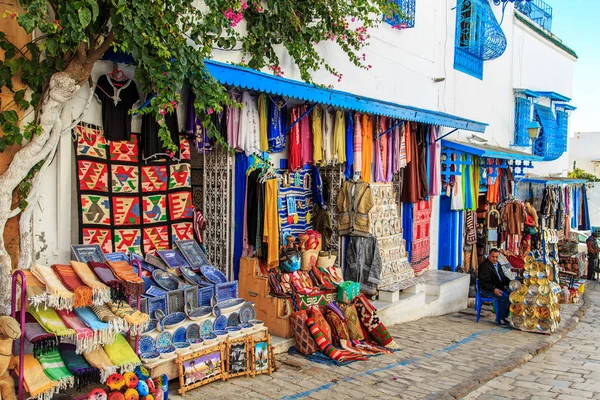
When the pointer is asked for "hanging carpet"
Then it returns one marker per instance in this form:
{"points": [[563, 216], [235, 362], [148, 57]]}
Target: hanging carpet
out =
{"points": [[420, 239]]}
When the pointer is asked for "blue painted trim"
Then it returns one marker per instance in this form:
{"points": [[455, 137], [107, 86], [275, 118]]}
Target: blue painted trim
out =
{"points": [[490, 153], [528, 93], [566, 107], [555, 96], [254, 80]]}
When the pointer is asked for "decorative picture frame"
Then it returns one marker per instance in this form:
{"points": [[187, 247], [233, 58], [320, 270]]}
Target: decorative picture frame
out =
{"points": [[173, 258], [200, 368], [238, 357], [191, 251], [87, 252], [262, 356]]}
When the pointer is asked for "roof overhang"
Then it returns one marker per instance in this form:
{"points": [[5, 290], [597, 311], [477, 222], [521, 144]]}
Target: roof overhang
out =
{"points": [[487, 151], [554, 96], [250, 79]]}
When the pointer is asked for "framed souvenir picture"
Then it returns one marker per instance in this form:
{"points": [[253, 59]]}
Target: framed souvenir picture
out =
{"points": [[87, 252], [193, 253], [200, 368], [262, 356], [238, 357]]}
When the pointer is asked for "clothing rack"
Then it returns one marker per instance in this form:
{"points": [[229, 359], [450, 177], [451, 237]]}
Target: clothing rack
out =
{"points": [[23, 309]]}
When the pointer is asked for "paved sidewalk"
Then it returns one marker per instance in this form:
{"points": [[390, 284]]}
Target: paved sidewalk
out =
{"points": [[441, 357]]}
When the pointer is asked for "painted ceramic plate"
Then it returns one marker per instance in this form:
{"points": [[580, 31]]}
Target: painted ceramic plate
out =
{"points": [[247, 313], [233, 320], [165, 339], [155, 291], [517, 322], [173, 258], [151, 326], [530, 323], [200, 313], [146, 344], [544, 325], [516, 297], [192, 332], [514, 285], [192, 253], [529, 311], [206, 327], [534, 290], [190, 276], [179, 335], [517, 309], [165, 280], [172, 320], [117, 256], [544, 290], [212, 274], [220, 323], [530, 300], [87, 252], [230, 305], [216, 310]]}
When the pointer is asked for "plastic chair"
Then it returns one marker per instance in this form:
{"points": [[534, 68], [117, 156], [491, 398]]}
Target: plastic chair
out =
{"points": [[479, 300]]}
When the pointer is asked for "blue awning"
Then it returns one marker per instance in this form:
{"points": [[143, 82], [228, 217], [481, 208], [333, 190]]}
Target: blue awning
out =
{"points": [[487, 151], [261, 82], [554, 96], [550, 180]]}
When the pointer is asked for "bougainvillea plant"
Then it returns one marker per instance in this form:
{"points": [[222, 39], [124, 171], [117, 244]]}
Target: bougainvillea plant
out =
{"points": [[169, 41]]}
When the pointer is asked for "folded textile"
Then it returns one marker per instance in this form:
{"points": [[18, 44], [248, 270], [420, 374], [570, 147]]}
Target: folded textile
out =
{"points": [[36, 382], [42, 341], [83, 372], [98, 359], [55, 369], [122, 355], [370, 320], [321, 322], [138, 321], [352, 322], [87, 316], [101, 292], [106, 275], [59, 297], [104, 314], [51, 322], [82, 295], [86, 338], [327, 348], [134, 285], [35, 289], [339, 331]]}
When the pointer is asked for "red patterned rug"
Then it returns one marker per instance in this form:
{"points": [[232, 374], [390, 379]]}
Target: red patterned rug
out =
{"points": [[420, 240], [126, 204]]}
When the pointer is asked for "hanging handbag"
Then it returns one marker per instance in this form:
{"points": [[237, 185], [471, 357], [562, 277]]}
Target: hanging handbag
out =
{"points": [[347, 291]]}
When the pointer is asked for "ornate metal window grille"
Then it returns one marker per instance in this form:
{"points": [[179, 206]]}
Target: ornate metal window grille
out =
{"points": [[549, 142], [407, 20], [522, 120], [334, 176], [537, 11], [478, 37], [562, 118]]}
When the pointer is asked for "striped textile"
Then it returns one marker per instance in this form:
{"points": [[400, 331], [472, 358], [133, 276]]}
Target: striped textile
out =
{"points": [[68, 277], [327, 348]]}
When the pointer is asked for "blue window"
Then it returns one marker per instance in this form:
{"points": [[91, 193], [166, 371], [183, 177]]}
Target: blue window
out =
{"points": [[538, 11], [551, 143], [468, 53], [522, 120], [407, 20], [562, 118]]}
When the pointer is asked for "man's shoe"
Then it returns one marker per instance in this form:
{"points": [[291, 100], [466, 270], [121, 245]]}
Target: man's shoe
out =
{"points": [[503, 322]]}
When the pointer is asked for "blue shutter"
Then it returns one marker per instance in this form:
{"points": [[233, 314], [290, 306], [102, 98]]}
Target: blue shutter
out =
{"points": [[563, 129], [522, 119], [548, 144], [408, 9]]}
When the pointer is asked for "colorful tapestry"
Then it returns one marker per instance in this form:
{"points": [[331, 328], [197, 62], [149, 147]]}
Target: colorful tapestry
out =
{"points": [[420, 238], [306, 301], [127, 204]]}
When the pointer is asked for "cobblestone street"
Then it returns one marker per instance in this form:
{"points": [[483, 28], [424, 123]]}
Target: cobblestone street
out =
{"points": [[445, 357]]}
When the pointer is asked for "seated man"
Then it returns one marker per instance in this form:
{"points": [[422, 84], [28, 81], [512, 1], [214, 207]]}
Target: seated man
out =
{"points": [[593, 250], [494, 284]]}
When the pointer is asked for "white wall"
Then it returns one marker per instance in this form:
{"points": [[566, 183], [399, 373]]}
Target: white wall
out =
{"points": [[405, 64], [583, 148], [593, 194]]}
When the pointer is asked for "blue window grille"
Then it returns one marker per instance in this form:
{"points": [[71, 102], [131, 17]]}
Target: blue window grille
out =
{"points": [[478, 38], [537, 11], [407, 20], [522, 120], [550, 144], [562, 118]]}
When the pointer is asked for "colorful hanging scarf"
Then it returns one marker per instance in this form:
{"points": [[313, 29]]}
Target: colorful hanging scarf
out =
{"points": [[105, 274], [352, 323], [55, 369], [37, 384], [104, 314], [122, 355], [101, 292], [42, 341], [98, 359], [50, 321], [138, 321], [82, 294], [35, 290], [83, 372], [134, 285], [59, 296], [327, 348], [371, 322]]}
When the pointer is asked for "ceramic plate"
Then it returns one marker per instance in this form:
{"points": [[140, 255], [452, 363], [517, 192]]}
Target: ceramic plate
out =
{"points": [[233, 320], [173, 258], [247, 313], [165, 280], [230, 305], [117, 256], [192, 332], [191, 276], [212, 274], [207, 327], [216, 310], [174, 319], [179, 335], [192, 253], [87, 252], [155, 292], [146, 344], [151, 326], [163, 340], [220, 323], [200, 313]]}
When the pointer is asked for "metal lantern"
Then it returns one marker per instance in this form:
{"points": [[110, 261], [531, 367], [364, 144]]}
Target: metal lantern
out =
{"points": [[534, 129]]}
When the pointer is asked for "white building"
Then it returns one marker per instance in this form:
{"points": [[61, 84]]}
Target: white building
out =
{"points": [[583, 152], [414, 67]]}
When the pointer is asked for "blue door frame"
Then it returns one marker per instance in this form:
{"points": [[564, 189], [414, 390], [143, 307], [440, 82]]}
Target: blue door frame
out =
{"points": [[450, 236]]}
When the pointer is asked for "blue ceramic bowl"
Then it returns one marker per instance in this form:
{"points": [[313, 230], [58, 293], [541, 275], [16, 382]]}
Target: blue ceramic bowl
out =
{"points": [[181, 347], [166, 352], [220, 334], [195, 342], [234, 331], [257, 323], [149, 356], [210, 339]]}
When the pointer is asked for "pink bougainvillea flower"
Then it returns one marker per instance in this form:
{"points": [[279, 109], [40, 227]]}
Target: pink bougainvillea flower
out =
{"points": [[210, 110]]}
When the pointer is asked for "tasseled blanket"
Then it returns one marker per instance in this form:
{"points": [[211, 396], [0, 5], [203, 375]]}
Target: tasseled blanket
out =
{"points": [[327, 348], [86, 338], [55, 369], [104, 314], [101, 292], [59, 297], [122, 355], [138, 321], [83, 372], [99, 360], [372, 323], [82, 295], [134, 285], [42, 341], [105, 274], [35, 290], [51, 322], [37, 384], [104, 331]]}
